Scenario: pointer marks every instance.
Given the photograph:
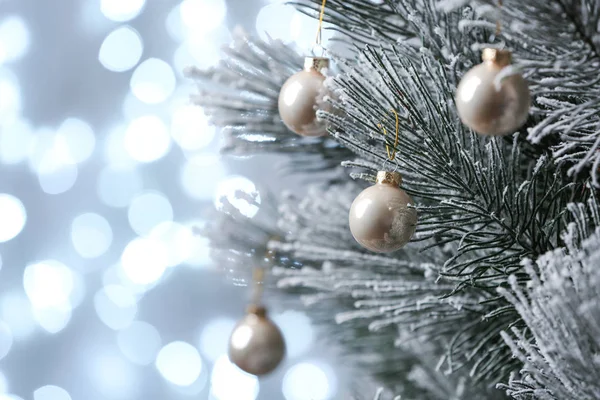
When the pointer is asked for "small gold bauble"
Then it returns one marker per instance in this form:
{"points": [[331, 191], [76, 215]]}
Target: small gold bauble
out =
{"points": [[299, 96], [256, 344], [490, 105], [380, 217]]}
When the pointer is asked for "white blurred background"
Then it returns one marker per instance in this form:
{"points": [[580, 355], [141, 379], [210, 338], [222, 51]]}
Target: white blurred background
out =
{"points": [[105, 167]]}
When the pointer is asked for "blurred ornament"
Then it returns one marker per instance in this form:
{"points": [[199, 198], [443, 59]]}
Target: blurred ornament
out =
{"points": [[300, 95], [489, 101], [256, 344], [380, 217]]}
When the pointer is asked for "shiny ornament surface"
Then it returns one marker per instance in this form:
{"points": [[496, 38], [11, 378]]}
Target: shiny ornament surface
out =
{"points": [[380, 219], [256, 344], [489, 103], [299, 97]]}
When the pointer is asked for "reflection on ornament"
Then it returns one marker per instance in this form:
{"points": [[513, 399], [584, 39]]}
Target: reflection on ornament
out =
{"points": [[300, 96], [256, 345], [490, 102], [380, 218]]}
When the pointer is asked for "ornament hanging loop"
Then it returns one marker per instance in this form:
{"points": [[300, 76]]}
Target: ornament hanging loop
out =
{"points": [[320, 27], [391, 153], [499, 19], [258, 276]]}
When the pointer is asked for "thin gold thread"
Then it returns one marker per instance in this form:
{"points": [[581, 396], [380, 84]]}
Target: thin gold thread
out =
{"points": [[258, 276], [318, 39], [392, 153]]}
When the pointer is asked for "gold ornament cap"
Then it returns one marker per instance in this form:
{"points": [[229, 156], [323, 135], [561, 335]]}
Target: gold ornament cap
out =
{"points": [[258, 310], [316, 63], [389, 178], [499, 57]]}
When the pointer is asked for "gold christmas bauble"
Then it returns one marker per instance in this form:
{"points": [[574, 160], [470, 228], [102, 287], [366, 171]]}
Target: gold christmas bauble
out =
{"points": [[380, 219], [490, 105], [299, 96], [256, 344]]}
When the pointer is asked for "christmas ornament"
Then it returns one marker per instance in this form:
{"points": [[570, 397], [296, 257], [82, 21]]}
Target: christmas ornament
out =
{"points": [[380, 219], [299, 97], [489, 103], [256, 344]]}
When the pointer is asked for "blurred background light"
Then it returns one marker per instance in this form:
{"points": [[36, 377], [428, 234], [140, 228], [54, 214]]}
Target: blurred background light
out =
{"points": [[7, 396], [12, 217], [121, 50], [48, 284], [297, 331], [190, 128], [240, 192], [153, 81], [6, 339], [14, 38], [144, 260], [78, 139], [147, 139], [91, 235], [113, 376], [50, 392], [202, 16], [228, 382], [179, 363], [179, 241], [116, 186], [274, 21], [3, 383], [214, 338], [308, 381], [10, 95], [115, 306], [53, 319], [16, 312], [57, 173], [200, 176], [121, 10], [147, 210], [139, 342], [15, 141], [200, 255]]}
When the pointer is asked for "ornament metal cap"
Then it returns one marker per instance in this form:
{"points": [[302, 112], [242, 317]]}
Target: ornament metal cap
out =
{"points": [[389, 178], [258, 310], [497, 56], [316, 63]]}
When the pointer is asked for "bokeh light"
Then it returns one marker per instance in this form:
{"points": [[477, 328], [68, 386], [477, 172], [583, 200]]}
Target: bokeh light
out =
{"points": [[15, 141], [228, 382], [201, 175], [202, 16], [116, 306], [121, 10], [14, 38], [147, 210], [6, 339], [297, 332], [308, 381], [121, 50], [12, 217], [117, 186], [179, 241], [16, 312], [51, 392], [179, 363], [139, 342], [3, 383], [214, 338], [91, 235], [147, 139], [144, 260], [113, 376], [153, 81], [53, 319], [190, 128], [274, 20], [240, 192], [78, 138], [57, 173], [10, 95], [48, 284], [6, 396]]}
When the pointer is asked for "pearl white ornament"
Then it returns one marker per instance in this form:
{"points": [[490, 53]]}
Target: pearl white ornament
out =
{"points": [[256, 344], [299, 96], [380, 219], [491, 104]]}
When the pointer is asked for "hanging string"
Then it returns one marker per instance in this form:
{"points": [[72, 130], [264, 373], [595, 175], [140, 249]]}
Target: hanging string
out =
{"points": [[499, 20], [392, 153], [319, 28], [258, 276]]}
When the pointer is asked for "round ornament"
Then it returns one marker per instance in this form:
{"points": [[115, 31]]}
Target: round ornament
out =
{"points": [[299, 97], [380, 218], [489, 103], [256, 344]]}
